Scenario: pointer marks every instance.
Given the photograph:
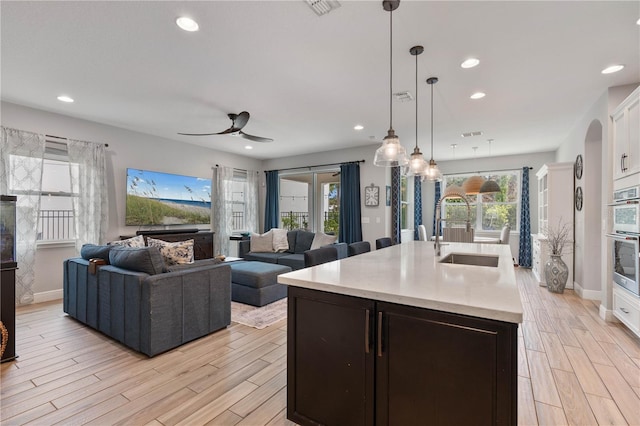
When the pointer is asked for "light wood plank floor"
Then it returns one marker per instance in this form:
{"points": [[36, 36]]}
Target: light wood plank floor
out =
{"points": [[573, 369]]}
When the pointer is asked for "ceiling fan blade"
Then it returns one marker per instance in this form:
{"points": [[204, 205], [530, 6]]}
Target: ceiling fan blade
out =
{"points": [[240, 120], [224, 132], [254, 138]]}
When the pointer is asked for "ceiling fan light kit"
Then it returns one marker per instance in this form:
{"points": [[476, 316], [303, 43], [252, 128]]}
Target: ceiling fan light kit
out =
{"points": [[391, 153]]}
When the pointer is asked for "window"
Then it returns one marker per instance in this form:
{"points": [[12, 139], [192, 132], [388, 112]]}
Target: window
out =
{"points": [[405, 202], [311, 201], [489, 212], [238, 200], [55, 219]]}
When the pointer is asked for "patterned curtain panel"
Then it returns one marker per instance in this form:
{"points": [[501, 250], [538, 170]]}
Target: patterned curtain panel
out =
{"points": [[417, 205], [21, 161], [435, 203], [350, 213], [88, 172], [395, 205], [272, 205], [222, 208], [524, 253], [252, 203]]}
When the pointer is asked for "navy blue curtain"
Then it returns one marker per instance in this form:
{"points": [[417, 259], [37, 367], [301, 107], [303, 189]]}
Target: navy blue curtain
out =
{"points": [[350, 215], [417, 205], [395, 205], [271, 205], [524, 252], [435, 203]]}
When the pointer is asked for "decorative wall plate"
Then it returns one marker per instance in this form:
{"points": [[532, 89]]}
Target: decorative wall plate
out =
{"points": [[578, 167], [578, 198]]}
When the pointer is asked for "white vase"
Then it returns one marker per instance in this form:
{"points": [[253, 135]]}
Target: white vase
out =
{"points": [[556, 274]]}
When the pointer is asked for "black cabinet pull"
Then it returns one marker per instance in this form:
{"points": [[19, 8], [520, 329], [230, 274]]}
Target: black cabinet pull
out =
{"points": [[622, 167], [379, 334], [366, 332]]}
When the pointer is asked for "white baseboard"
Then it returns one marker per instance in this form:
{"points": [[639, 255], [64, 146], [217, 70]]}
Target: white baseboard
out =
{"points": [[607, 314], [587, 294], [47, 296]]}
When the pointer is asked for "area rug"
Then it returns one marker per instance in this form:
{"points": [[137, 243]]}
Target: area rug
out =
{"points": [[259, 317]]}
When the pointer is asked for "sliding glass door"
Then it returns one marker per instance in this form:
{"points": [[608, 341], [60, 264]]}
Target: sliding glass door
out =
{"points": [[310, 200]]}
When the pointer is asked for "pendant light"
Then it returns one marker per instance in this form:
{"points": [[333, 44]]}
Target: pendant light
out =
{"points": [[473, 183], [490, 186], [391, 153], [433, 172], [417, 164]]}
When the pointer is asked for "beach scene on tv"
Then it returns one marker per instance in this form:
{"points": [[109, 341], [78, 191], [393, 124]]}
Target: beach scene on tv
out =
{"points": [[155, 198]]}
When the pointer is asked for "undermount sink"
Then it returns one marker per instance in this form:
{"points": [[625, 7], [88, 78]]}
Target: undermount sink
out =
{"points": [[471, 259]]}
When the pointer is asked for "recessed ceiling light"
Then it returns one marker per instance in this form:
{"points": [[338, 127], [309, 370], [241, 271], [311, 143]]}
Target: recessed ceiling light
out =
{"points": [[358, 127], [187, 24], [248, 147], [478, 95], [64, 98], [470, 63], [612, 69], [638, 21]]}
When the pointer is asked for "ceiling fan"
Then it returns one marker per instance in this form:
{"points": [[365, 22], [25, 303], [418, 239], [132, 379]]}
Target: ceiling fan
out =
{"points": [[238, 121]]}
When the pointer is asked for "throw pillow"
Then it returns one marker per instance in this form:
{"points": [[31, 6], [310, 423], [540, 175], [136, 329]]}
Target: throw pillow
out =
{"points": [[280, 241], [140, 259], [92, 251], [262, 243], [304, 239], [178, 253], [137, 241], [322, 239]]}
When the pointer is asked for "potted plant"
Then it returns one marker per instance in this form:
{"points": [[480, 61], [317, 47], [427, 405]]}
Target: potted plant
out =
{"points": [[556, 271]]}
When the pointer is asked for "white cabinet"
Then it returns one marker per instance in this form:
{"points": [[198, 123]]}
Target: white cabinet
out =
{"points": [[626, 307], [626, 137], [555, 206]]}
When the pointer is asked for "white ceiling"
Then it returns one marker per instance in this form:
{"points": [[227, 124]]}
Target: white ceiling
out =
{"points": [[307, 80]]}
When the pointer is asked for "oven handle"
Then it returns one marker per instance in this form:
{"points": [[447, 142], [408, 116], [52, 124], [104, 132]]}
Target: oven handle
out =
{"points": [[622, 237]]}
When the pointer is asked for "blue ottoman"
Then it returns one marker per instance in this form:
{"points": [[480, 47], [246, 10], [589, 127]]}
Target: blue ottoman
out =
{"points": [[255, 283]]}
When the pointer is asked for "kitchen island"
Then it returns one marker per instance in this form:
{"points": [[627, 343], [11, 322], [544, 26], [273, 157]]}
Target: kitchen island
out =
{"points": [[395, 337]]}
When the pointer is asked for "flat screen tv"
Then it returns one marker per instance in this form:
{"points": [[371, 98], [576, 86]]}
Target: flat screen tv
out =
{"points": [[155, 198]]}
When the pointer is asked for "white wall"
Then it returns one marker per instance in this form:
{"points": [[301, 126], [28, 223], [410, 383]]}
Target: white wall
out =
{"points": [[126, 149], [593, 279], [490, 163]]}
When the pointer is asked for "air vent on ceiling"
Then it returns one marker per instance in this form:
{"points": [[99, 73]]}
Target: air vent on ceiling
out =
{"points": [[322, 7], [469, 134], [403, 96]]}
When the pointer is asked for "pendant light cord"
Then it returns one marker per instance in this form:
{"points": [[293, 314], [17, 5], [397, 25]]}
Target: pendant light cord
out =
{"points": [[390, 69], [432, 121], [416, 101]]}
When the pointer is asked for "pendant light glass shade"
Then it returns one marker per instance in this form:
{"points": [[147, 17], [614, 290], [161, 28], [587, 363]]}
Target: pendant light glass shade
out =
{"points": [[473, 184], [433, 172], [417, 164], [391, 153]]}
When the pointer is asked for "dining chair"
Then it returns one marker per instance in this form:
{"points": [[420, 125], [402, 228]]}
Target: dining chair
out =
{"points": [[383, 242]]}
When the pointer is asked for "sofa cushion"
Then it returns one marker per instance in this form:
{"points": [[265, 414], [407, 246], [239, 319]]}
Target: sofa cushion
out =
{"points": [[322, 239], [262, 243], [280, 242], [304, 239], [139, 259], [137, 241], [264, 257], [196, 264], [291, 238], [176, 253], [93, 251], [295, 261]]}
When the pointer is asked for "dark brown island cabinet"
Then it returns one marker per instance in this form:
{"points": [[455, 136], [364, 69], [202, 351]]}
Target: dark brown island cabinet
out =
{"points": [[353, 361]]}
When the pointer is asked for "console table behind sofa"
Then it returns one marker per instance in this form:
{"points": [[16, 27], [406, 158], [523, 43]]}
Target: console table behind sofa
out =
{"points": [[202, 244]]}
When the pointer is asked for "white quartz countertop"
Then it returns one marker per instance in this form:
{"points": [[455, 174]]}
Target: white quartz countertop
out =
{"points": [[410, 274]]}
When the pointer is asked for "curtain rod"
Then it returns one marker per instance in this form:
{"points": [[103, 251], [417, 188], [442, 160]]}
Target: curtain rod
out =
{"points": [[483, 171], [234, 168], [317, 165], [66, 139]]}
